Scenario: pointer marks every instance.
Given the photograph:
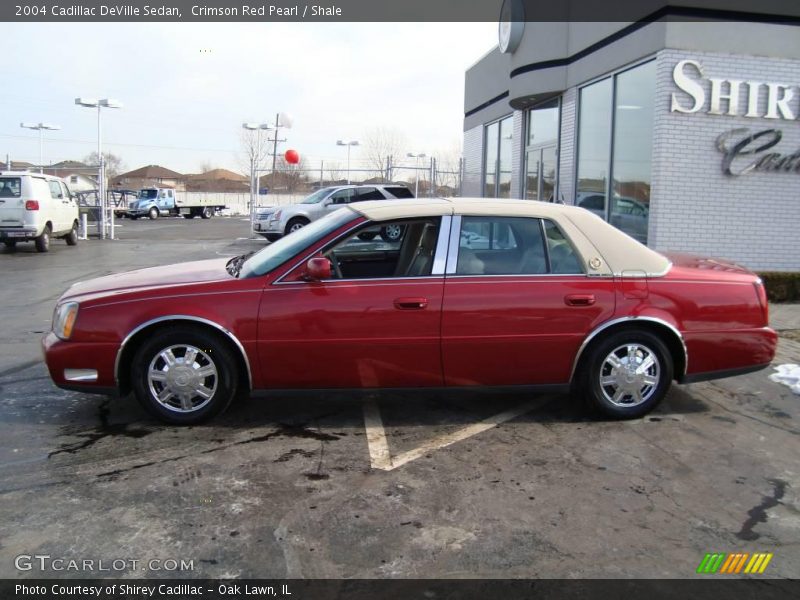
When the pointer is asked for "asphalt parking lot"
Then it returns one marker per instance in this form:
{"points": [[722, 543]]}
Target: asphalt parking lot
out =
{"points": [[416, 485]]}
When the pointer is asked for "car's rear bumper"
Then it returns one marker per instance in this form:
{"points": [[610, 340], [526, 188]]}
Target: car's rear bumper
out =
{"points": [[80, 366], [718, 354], [18, 233]]}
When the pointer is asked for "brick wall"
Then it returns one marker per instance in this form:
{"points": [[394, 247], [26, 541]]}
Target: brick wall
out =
{"points": [[566, 159], [754, 218], [473, 162]]}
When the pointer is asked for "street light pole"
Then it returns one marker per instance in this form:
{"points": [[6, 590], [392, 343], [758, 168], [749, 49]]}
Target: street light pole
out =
{"points": [[40, 127], [416, 157], [349, 145], [254, 151], [101, 179]]}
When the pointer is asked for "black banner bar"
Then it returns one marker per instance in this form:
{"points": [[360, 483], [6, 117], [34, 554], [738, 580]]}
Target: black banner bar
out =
{"points": [[711, 588], [781, 11]]}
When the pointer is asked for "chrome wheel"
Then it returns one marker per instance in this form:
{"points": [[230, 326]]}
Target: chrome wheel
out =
{"points": [[296, 226], [629, 375], [182, 378]]}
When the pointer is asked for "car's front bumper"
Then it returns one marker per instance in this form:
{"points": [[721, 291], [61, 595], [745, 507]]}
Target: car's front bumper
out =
{"points": [[81, 366]]}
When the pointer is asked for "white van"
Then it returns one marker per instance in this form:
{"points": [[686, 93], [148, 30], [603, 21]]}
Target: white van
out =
{"points": [[36, 207]]}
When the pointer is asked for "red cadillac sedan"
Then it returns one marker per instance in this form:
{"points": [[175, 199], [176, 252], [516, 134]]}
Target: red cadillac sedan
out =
{"points": [[480, 293]]}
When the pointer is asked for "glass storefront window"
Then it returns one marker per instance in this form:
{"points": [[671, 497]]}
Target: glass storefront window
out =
{"points": [[594, 146], [617, 188], [499, 139], [543, 124], [633, 140], [541, 170]]}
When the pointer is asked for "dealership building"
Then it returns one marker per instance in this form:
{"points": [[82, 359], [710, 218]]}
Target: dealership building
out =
{"points": [[685, 134]]}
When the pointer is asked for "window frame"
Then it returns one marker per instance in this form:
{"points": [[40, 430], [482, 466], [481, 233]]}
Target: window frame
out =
{"points": [[437, 267]]}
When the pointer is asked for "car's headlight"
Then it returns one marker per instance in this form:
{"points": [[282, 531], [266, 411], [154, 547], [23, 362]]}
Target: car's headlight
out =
{"points": [[276, 215], [64, 319]]}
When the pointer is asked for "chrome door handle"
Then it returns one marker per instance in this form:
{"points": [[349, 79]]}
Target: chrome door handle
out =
{"points": [[579, 299], [411, 303]]}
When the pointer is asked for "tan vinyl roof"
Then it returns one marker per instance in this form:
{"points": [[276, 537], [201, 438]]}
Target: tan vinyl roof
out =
{"points": [[605, 249]]}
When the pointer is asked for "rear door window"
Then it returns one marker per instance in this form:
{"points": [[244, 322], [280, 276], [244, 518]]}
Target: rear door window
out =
{"points": [[501, 246], [563, 258], [10, 187]]}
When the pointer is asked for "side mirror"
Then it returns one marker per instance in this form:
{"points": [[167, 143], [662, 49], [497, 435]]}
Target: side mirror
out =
{"points": [[317, 269]]}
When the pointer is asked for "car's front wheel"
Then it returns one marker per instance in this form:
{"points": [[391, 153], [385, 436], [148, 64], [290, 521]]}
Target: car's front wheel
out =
{"points": [[184, 375], [153, 213], [627, 373], [295, 224]]}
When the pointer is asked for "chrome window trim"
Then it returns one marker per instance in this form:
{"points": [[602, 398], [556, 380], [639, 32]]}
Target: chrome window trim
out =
{"points": [[453, 245], [442, 244], [603, 326], [217, 326], [364, 280]]}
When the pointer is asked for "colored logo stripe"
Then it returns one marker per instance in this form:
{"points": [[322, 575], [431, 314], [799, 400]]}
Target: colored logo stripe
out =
{"points": [[724, 563]]}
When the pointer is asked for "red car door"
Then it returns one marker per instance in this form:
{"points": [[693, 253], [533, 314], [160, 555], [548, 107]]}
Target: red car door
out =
{"points": [[517, 304], [376, 324]]}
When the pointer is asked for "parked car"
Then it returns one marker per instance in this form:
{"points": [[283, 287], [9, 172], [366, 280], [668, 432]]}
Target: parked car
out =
{"points": [[36, 207], [555, 299], [275, 222]]}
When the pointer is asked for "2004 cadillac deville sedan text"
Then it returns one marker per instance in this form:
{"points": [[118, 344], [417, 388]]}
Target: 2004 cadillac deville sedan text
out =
{"points": [[474, 293]]}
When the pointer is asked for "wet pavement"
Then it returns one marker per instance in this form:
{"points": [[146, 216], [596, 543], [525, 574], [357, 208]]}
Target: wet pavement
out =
{"points": [[297, 486]]}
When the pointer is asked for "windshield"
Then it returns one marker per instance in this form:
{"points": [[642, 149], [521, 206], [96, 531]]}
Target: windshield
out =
{"points": [[148, 194], [317, 196], [288, 246]]}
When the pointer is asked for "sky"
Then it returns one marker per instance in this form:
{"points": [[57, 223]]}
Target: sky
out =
{"points": [[186, 88]]}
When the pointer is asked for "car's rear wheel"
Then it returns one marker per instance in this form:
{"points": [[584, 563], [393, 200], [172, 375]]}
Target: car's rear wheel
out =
{"points": [[153, 213], [391, 233], [627, 373], [207, 213], [72, 237], [295, 224], [43, 241], [184, 375]]}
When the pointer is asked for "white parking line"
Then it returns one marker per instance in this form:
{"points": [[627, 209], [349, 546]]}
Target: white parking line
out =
{"points": [[382, 459], [376, 437]]}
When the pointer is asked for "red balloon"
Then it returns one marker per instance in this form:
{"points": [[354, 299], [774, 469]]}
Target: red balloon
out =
{"points": [[292, 157]]}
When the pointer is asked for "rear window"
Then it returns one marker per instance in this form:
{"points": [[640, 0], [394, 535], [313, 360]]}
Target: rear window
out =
{"points": [[10, 187], [400, 192]]}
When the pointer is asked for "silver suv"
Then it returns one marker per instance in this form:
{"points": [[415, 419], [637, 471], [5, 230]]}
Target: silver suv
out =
{"points": [[277, 221]]}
